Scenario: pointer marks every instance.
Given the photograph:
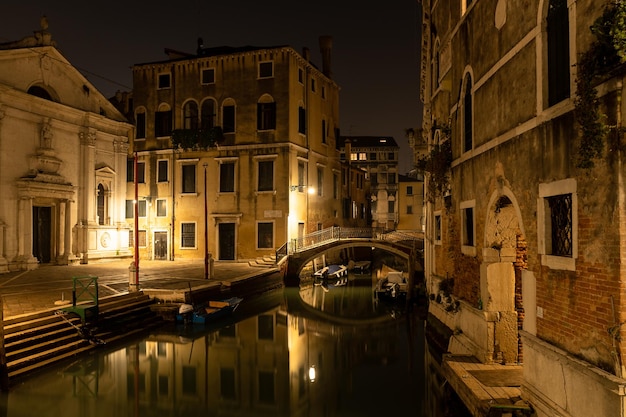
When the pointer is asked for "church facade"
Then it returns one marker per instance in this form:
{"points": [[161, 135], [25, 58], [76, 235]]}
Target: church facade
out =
{"points": [[63, 151]]}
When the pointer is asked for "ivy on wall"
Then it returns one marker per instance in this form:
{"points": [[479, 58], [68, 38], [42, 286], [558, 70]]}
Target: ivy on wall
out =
{"points": [[437, 164], [605, 53]]}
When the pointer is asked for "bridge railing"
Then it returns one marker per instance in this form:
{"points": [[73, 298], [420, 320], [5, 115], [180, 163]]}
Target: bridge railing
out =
{"points": [[330, 234]]}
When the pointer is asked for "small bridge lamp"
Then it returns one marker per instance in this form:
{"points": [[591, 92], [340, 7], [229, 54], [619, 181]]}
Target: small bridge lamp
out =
{"points": [[301, 188]]}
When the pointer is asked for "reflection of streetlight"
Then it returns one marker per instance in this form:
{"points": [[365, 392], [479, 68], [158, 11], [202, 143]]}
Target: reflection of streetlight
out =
{"points": [[206, 229], [312, 373]]}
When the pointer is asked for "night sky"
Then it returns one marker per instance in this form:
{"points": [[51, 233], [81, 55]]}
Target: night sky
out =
{"points": [[375, 57]]}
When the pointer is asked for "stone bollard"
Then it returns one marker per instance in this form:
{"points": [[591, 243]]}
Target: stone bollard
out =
{"points": [[133, 277]]}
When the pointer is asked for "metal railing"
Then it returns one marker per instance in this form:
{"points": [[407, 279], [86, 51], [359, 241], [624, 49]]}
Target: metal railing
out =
{"points": [[324, 236]]}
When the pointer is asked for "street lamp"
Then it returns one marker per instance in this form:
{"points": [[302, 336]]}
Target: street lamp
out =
{"points": [[206, 229]]}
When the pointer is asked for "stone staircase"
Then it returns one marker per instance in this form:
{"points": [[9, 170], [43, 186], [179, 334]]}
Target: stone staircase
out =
{"points": [[264, 262], [40, 339]]}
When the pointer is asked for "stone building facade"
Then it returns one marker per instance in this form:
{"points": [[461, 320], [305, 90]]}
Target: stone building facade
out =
{"points": [[526, 230], [378, 157], [236, 151], [63, 151]]}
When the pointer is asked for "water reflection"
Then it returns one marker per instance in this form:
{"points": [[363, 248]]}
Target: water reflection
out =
{"points": [[275, 357]]}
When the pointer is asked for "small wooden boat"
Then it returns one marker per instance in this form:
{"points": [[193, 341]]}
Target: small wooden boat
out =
{"points": [[208, 312], [361, 267]]}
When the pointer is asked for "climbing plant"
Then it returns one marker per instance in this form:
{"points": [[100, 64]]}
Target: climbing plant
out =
{"points": [[606, 52], [196, 139], [437, 164]]}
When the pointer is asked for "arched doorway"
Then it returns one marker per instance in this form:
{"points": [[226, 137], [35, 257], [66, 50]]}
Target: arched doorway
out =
{"points": [[504, 260]]}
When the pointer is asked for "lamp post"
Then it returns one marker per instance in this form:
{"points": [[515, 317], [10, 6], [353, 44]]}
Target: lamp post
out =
{"points": [[206, 229]]}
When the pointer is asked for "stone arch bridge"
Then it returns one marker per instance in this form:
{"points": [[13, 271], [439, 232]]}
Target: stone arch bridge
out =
{"points": [[294, 255]]}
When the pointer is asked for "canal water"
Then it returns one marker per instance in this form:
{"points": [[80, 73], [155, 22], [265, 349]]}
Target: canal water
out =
{"points": [[313, 351]]}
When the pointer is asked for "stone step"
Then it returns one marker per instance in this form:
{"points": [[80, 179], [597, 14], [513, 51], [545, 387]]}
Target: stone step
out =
{"points": [[40, 339]]}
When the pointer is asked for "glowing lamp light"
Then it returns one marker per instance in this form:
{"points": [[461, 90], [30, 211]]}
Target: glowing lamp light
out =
{"points": [[312, 373]]}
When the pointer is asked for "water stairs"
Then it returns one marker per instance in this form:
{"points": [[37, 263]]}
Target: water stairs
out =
{"points": [[33, 341]]}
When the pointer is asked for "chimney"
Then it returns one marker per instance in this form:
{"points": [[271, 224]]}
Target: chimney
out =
{"points": [[348, 151], [326, 48], [306, 53]]}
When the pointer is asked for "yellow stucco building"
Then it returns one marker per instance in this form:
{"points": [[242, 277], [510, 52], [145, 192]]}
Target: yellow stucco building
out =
{"points": [[235, 152]]}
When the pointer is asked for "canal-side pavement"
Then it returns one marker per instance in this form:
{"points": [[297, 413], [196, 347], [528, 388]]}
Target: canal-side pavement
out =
{"points": [[49, 286]]}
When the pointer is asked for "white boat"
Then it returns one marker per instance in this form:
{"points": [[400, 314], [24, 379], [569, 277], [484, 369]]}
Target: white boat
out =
{"points": [[332, 275], [392, 285]]}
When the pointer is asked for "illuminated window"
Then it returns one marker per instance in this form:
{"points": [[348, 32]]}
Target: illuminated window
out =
{"points": [[188, 235], [362, 156], [141, 237], [161, 208]]}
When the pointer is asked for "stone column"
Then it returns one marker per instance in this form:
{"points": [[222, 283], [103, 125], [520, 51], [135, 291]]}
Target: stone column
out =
{"points": [[25, 235], [4, 268], [88, 177], [69, 250], [64, 240]]}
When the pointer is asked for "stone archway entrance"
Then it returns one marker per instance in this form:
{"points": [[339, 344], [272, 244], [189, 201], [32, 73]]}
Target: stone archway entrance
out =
{"points": [[504, 259]]}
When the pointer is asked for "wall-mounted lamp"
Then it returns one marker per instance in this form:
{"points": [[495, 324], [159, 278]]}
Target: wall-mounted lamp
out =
{"points": [[301, 188]]}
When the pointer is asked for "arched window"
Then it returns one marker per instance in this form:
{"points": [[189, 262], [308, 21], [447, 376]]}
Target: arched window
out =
{"points": [[39, 92], [435, 66], [190, 115], [467, 106], [266, 113], [163, 121], [207, 114], [228, 116], [557, 29], [140, 123]]}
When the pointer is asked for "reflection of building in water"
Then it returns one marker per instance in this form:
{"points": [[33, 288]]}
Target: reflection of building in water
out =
{"points": [[274, 363]]}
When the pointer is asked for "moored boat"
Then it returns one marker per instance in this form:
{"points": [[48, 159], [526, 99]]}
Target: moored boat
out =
{"points": [[205, 313], [392, 285]]}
